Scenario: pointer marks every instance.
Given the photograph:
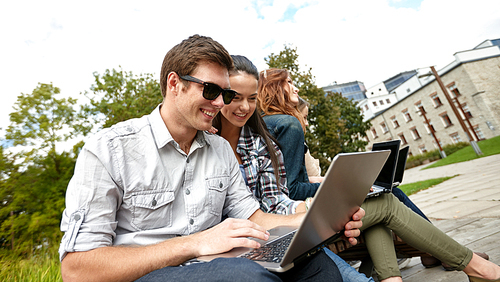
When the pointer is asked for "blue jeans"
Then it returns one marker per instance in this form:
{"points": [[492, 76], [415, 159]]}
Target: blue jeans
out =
{"points": [[349, 274], [317, 268], [407, 202]]}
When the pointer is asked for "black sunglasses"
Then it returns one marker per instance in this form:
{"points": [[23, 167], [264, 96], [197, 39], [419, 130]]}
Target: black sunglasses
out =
{"points": [[211, 90]]}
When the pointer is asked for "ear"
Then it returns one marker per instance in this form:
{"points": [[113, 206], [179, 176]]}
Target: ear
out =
{"points": [[174, 83]]}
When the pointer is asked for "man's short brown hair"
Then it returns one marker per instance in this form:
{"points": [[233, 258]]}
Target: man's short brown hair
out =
{"points": [[184, 57]]}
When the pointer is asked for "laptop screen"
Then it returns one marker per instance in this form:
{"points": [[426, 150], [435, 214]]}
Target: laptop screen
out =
{"points": [[400, 168], [386, 176]]}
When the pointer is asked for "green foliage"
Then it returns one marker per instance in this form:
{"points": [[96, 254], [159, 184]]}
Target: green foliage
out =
{"points": [[40, 120], [33, 183], [336, 124], [117, 96]]}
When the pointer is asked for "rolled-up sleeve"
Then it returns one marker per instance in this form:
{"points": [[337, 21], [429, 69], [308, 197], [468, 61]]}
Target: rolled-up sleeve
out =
{"points": [[92, 198]]}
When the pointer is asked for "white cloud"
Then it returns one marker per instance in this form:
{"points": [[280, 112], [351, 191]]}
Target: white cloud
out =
{"points": [[64, 42]]}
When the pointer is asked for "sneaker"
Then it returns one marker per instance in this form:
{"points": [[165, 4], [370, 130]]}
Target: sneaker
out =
{"points": [[403, 262]]}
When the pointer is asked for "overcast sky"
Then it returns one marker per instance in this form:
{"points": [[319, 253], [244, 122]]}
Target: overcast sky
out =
{"points": [[64, 42]]}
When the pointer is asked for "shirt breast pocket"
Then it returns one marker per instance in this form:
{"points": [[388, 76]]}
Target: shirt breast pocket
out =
{"points": [[217, 190], [152, 209]]}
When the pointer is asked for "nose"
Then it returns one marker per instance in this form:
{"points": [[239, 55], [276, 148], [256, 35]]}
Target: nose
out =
{"points": [[295, 89], [244, 106], [218, 102]]}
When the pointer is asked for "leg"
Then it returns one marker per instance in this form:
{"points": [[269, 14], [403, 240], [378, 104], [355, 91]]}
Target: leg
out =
{"points": [[405, 200], [414, 230], [318, 267], [223, 269], [349, 274], [380, 245]]}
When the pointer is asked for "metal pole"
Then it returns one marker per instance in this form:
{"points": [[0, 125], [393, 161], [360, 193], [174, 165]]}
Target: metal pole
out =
{"points": [[466, 118], [441, 152], [457, 115]]}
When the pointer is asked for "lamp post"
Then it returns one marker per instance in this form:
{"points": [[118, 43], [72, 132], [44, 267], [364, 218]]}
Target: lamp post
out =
{"points": [[431, 129], [473, 143]]}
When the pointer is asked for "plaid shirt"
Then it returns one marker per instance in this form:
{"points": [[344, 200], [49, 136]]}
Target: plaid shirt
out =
{"points": [[259, 173]]}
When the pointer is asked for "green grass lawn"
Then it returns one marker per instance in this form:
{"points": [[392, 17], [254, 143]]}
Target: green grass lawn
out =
{"points": [[46, 269], [488, 147], [412, 188]]}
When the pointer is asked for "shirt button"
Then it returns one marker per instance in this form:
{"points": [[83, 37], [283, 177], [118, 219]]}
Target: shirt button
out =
{"points": [[76, 217], [153, 203], [187, 160], [220, 184], [191, 221], [188, 192]]}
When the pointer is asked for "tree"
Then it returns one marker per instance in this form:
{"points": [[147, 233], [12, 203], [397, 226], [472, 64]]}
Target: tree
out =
{"points": [[40, 120], [335, 122], [117, 96], [355, 127], [33, 185]]}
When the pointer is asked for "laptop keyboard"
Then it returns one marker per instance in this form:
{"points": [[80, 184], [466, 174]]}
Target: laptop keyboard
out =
{"points": [[271, 252]]}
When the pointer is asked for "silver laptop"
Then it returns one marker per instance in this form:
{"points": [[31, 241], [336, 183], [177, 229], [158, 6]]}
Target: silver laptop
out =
{"points": [[339, 196], [384, 181], [400, 168]]}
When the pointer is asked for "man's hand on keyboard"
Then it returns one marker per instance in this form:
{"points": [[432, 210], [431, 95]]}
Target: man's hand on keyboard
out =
{"points": [[352, 227], [229, 234]]}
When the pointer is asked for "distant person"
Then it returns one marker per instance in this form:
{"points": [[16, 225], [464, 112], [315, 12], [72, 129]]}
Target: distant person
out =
{"points": [[312, 164]]}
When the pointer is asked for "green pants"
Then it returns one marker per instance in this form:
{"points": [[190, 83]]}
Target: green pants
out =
{"points": [[385, 213]]}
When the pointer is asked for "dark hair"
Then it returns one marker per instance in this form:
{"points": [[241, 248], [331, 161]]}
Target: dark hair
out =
{"points": [[243, 65], [184, 57], [272, 96]]}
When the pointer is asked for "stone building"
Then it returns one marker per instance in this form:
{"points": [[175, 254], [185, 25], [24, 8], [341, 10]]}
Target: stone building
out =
{"points": [[472, 81]]}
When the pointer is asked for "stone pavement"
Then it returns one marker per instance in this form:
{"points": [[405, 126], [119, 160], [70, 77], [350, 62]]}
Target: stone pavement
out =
{"points": [[466, 207]]}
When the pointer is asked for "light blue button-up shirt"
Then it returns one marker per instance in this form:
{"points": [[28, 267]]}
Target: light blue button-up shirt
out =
{"points": [[133, 185]]}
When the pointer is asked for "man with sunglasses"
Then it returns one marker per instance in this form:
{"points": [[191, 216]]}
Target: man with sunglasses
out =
{"points": [[148, 195]]}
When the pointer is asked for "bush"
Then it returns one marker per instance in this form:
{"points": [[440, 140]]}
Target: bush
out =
{"points": [[433, 155]]}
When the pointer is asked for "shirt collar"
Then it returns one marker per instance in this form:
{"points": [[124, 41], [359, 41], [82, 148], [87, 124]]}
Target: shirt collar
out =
{"points": [[161, 134], [246, 141]]}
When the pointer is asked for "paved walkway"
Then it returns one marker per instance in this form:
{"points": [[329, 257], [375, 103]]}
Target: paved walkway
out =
{"points": [[466, 207]]}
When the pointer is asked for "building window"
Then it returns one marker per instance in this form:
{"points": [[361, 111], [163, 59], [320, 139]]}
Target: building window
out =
{"points": [[467, 111], [454, 90], [436, 145], [384, 127], [446, 120], [436, 100], [381, 102], [395, 122], [422, 149], [366, 107], [455, 138], [479, 133], [374, 133], [403, 139], [375, 103], [430, 127], [414, 133], [419, 105], [407, 115], [388, 101]]}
